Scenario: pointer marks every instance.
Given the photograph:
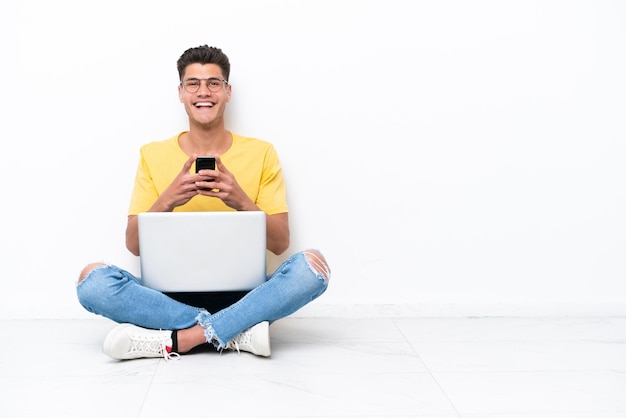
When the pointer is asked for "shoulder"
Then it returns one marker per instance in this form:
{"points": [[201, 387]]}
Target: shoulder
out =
{"points": [[250, 142], [159, 147], [251, 145]]}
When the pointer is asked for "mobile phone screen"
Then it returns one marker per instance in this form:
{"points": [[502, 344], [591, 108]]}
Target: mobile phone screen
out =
{"points": [[205, 163]]}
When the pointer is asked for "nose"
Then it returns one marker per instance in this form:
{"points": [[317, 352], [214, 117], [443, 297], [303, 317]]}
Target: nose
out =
{"points": [[204, 88]]}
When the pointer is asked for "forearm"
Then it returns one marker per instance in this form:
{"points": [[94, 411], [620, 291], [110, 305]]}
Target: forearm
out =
{"points": [[277, 227], [132, 235]]}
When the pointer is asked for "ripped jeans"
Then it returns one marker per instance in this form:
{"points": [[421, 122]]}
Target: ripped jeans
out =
{"points": [[118, 295]]}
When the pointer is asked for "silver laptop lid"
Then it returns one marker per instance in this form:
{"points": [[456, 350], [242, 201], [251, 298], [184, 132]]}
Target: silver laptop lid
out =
{"points": [[202, 251]]}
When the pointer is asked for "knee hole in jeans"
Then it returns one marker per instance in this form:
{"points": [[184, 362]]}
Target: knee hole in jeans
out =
{"points": [[88, 270], [318, 263]]}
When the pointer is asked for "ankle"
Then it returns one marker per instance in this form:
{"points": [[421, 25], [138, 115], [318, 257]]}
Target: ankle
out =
{"points": [[190, 338]]}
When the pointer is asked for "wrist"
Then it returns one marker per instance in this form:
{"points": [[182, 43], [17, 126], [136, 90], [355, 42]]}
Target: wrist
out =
{"points": [[249, 207]]}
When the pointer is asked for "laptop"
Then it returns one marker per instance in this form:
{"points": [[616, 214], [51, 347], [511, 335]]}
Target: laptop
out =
{"points": [[202, 251]]}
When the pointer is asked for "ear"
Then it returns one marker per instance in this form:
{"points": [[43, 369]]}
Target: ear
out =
{"points": [[180, 93], [228, 92]]}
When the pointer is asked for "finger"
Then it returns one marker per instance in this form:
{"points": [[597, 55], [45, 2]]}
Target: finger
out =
{"points": [[206, 184], [220, 166], [189, 163]]}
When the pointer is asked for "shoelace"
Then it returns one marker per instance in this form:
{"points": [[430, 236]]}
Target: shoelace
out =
{"points": [[245, 339], [170, 356], [143, 344], [235, 346]]}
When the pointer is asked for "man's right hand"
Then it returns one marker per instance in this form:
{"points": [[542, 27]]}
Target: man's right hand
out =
{"points": [[180, 190]]}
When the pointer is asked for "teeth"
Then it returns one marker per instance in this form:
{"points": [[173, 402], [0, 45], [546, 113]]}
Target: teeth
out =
{"points": [[204, 104]]}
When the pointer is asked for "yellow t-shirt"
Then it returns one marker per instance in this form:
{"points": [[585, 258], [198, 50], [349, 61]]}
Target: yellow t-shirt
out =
{"points": [[253, 162]]}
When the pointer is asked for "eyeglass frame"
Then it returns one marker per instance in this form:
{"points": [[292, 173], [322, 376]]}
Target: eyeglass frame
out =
{"points": [[182, 84]]}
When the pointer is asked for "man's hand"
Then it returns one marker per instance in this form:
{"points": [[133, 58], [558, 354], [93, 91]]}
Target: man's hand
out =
{"points": [[224, 186], [180, 191]]}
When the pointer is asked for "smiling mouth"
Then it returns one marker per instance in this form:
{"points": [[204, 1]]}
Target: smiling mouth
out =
{"points": [[204, 104]]}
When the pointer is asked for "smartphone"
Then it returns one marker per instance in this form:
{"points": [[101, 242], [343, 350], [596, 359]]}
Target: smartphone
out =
{"points": [[206, 162]]}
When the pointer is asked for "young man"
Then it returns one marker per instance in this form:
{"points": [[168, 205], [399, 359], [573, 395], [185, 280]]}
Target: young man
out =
{"points": [[248, 176]]}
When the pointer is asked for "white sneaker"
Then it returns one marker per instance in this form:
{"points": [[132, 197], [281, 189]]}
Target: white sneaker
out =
{"points": [[128, 341], [255, 340]]}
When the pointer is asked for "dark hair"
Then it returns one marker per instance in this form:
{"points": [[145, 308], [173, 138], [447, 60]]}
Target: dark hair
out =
{"points": [[204, 54]]}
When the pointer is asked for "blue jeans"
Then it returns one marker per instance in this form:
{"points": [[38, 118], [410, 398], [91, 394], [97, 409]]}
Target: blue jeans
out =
{"points": [[118, 295]]}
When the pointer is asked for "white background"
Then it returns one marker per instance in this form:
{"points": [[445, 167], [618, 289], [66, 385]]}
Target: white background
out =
{"points": [[449, 157]]}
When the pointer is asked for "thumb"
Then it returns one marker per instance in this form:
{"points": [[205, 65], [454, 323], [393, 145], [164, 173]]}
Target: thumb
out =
{"points": [[220, 166], [189, 163]]}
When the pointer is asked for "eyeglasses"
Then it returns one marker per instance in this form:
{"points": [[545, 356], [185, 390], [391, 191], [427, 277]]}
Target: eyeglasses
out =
{"points": [[214, 84]]}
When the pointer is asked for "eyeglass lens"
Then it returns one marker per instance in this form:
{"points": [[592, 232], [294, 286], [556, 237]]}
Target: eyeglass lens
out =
{"points": [[192, 85]]}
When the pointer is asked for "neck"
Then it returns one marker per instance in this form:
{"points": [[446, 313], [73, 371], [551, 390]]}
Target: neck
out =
{"points": [[205, 141]]}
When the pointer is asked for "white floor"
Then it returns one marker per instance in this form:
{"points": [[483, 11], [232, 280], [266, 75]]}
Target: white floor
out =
{"points": [[445, 368]]}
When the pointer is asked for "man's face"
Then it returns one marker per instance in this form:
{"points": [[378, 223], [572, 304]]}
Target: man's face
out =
{"points": [[204, 106]]}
